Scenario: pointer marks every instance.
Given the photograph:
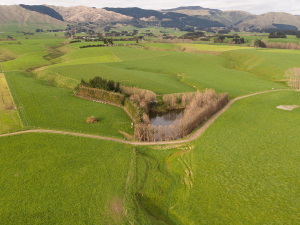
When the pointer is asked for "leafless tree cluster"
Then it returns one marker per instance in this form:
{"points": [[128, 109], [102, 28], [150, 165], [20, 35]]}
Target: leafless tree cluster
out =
{"points": [[174, 41], [142, 96], [178, 100], [201, 106], [144, 132], [293, 75], [280, 45]]}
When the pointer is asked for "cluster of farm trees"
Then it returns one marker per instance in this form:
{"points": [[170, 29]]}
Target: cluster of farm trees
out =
{"points": [[279, 34], [202, 105], [192, 35], [100, 83], [259, 43]]}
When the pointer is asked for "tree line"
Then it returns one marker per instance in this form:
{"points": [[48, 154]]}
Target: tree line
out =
{"points": [[100, 83]]}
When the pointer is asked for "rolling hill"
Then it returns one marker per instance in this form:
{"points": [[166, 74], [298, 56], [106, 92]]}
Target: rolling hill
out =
{"points": [[88, 14], [168, 19], [29, 18], [16, 18], [267, 20]]}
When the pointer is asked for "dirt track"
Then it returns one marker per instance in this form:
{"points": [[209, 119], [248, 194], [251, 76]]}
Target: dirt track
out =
{"points": [[190, 138]]}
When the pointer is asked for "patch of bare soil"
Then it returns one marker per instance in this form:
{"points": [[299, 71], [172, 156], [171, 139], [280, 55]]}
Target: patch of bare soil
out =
{"points": [[287, 107], [116, 210]]}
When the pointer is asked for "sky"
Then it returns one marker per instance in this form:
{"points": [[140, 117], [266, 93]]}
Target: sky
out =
{"points": [[253, 6]]}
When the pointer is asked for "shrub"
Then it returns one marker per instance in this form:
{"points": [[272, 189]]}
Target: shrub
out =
{"points": [[259, 43], [91, 120]]}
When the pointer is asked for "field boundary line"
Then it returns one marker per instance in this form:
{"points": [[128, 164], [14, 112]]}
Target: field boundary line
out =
{"points": [[13, 100], [136, 143], [109, 103]]}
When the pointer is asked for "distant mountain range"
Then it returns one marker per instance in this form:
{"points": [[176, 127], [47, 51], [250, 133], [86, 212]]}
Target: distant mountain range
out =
{"points": [[48, 16]]}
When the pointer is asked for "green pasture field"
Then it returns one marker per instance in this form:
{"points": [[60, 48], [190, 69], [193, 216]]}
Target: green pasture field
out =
{"points": [[161, 46], [202, 71], [44, 106], [87, 56], [164, 71], [61, 179], [267, 63], [158, 82], [212, 48], [9, 119], [243, 169], [14, 26], [25, 54]]}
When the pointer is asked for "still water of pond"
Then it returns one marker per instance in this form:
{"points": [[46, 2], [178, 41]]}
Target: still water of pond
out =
{"points": [[165, 118]]}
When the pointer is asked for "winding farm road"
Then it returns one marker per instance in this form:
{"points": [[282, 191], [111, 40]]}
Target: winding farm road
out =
{"points": [[194, 136]]}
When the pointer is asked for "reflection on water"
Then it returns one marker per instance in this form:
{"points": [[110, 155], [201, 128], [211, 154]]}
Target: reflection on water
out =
{"points": [[166, 118]]}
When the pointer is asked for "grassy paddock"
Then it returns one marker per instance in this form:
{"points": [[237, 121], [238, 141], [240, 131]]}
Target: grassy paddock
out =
{"points": [[49, 178], [243, 169], [165, 72], [267, 63], [212, 48], [45, 106], [9, 119]]}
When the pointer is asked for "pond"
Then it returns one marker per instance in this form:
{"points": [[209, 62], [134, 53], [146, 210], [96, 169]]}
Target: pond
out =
{"points": [[165, 118]]}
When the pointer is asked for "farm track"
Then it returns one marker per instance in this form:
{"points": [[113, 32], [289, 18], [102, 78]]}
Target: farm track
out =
{"points": [[192, 137]]}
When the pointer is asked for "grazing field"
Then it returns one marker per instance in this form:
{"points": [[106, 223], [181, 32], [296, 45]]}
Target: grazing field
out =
{"points": [[55, 179], [9, 119], [165, 72], [44, 106], [157, 46], [243, 169], [212, 48], [266, 63], [87, 56], [26, 54]]}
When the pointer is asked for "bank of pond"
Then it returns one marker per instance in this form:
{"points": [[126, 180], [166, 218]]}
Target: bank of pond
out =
{"points": [[172, 117]]}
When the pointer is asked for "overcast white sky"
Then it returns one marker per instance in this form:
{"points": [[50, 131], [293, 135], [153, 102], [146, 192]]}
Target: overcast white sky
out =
{"points": [[252, 6]]}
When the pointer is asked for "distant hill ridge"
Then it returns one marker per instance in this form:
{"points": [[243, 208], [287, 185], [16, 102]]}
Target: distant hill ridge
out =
{"points": [[189, 8], [169, 19], [44, 10], [181, 17]]}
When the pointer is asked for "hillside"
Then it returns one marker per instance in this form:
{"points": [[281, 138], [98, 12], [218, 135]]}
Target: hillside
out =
{"points": [[43, 10], [17, 18], [168, 19], [241, 19], [267, 19], [88, 14], [229, 18]]}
